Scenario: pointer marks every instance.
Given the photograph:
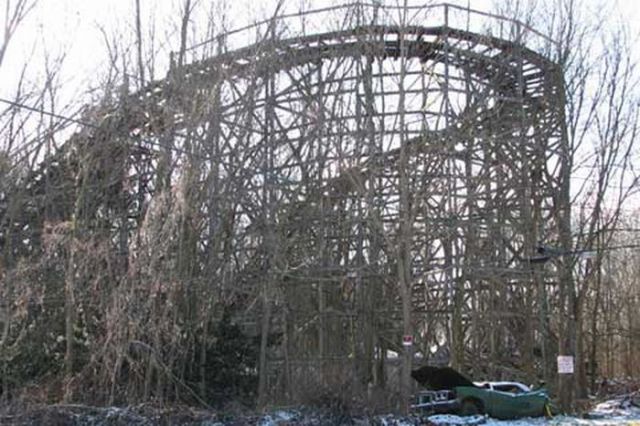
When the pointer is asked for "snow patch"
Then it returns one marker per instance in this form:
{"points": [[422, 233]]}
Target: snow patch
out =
{"points": [[279, 417], [453, 420], [623, 408], [391, 420], [527, 421]]}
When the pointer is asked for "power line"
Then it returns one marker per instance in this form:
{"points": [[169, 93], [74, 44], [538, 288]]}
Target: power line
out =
{"points": [[547, 253], [93, 126], [44, 112], [151, 143]]}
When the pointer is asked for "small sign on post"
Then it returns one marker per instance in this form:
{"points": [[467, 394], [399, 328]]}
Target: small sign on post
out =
{"points": [[565, 364], [407, 340]]}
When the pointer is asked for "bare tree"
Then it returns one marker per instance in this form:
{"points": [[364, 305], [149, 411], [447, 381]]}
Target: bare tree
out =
{"points": [[14, 14], [601, 120]]}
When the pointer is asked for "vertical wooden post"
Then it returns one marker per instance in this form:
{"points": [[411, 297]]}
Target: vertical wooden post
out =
{"points": [[270, 242], [404, 234]]}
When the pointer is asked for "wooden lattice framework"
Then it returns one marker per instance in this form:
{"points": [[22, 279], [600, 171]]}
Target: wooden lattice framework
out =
{"points": [[321, 145]]}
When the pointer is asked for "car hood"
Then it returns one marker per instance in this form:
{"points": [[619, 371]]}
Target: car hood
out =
{"points": [[440, 378]]}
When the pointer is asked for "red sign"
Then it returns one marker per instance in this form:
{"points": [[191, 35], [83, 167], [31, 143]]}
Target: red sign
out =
{"points": [[407, 340]]}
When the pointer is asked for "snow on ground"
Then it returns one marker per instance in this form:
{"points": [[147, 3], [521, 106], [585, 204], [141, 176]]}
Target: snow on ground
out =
{"points": [[611, 413], [278, 418], [625, 407], [621, 411], [624, 410], [452, 420]]}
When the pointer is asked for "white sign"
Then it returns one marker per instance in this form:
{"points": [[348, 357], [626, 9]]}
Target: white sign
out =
{"points": [[565, 364], [407, 340]]}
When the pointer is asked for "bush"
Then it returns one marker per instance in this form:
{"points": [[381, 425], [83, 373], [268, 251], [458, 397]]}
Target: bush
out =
{"points": [[230, 365]]}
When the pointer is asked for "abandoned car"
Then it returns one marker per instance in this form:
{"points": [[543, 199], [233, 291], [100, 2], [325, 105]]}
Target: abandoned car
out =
{"points": [[451, 392]]}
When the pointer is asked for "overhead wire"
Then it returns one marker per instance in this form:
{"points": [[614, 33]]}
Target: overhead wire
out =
{"points": [[45, 112], [96, 127]]}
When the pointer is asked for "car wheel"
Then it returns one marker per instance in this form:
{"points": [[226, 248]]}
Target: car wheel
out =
{"points": [[470, 407]]}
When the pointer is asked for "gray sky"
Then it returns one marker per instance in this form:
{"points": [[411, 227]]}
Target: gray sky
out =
{"points": [[73, 27]]}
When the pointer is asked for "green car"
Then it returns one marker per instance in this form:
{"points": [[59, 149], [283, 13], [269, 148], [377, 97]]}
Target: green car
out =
{"points": [[500, 400], [502, 405]]}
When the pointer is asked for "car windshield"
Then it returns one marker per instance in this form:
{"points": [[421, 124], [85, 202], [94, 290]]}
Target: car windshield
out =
{"points": [[509, 388]]}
